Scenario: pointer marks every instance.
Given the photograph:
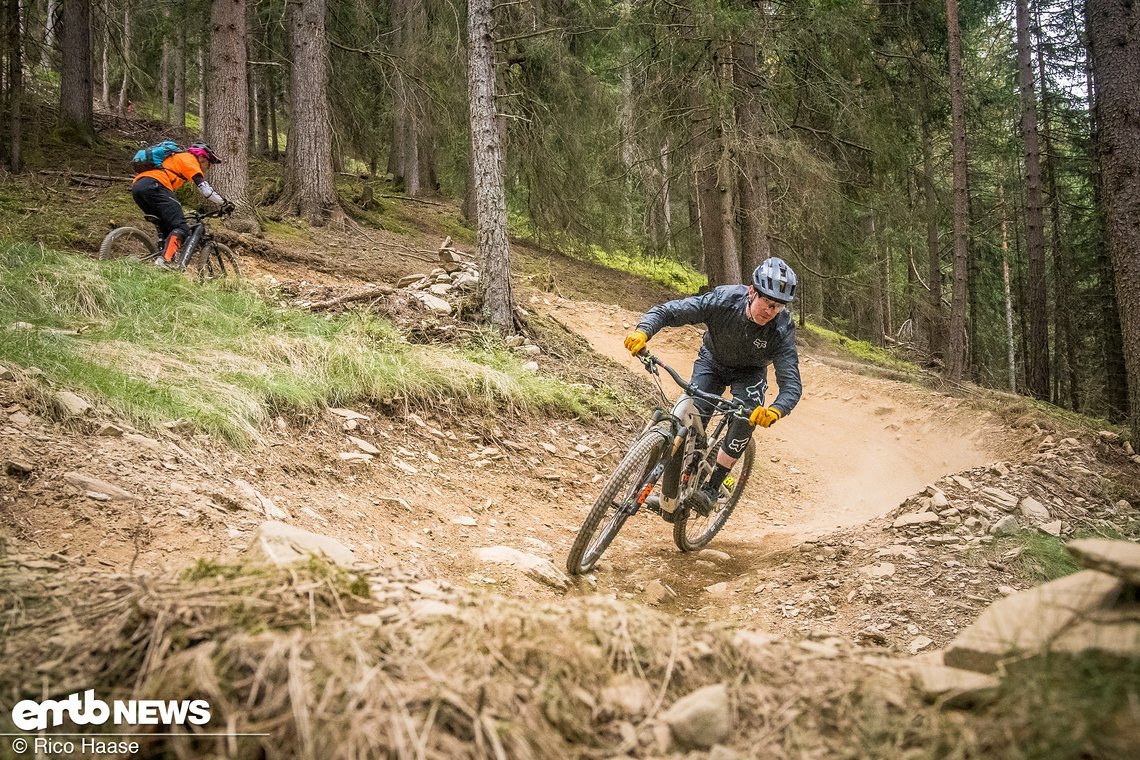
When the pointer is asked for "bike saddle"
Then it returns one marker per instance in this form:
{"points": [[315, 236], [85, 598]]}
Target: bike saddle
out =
{"points": [[151, 218]]}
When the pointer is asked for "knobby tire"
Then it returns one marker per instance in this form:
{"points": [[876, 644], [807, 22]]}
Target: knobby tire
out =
{"points": [[623, 486], [716, 519], [128, 243], [217, 261]]}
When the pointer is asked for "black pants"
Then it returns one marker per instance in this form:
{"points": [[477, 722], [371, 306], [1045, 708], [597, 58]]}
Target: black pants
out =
{"points": [[749, 384], [154, 198]]}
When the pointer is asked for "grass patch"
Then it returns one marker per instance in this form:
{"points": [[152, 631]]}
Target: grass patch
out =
{"points": [[1066, 707], [1043, 557], [457, 229], [860, 349], [292, 229], [156, 347], [663, 271]]}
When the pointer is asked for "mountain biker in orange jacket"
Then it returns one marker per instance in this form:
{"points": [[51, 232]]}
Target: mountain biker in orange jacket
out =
{"points": [[748, 328], [153, 192]]}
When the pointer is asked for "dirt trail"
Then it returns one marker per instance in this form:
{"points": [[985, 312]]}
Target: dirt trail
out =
{"points": [[851, 451]]}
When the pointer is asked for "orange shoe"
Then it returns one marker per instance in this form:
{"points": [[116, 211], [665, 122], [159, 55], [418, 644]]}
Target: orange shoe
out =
{"points": [[173, 245]]}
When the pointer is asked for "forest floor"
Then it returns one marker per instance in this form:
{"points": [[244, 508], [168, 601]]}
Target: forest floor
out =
{"points": [[810, 553]]}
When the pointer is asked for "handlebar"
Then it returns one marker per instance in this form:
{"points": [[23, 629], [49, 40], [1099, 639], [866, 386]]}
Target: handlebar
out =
{"points": [[200, 214], [718, 403]]}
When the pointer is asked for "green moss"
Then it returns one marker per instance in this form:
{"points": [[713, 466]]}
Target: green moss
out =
{"points": [[861, 349], [292, 229], [457, 230]]}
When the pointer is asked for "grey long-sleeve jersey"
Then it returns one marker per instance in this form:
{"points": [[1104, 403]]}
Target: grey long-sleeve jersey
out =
{"points": [[735, 341]]}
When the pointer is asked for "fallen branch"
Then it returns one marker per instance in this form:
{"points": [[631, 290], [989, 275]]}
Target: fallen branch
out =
{"points": [[376, 292], [410, 198], [83, 175]]}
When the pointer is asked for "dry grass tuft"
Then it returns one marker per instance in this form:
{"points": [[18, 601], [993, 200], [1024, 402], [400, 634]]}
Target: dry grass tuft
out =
{"points": [[329, 664]]}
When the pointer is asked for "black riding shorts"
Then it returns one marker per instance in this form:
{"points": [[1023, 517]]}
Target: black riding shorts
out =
{"points": [[154, 198], [748, 384]]}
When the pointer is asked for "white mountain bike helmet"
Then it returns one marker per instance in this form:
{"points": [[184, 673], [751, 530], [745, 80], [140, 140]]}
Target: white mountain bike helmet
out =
{"points": [[775, 279]]}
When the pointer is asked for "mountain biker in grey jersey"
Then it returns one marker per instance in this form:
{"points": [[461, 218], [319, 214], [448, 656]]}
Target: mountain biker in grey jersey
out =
{"points": [[747, 329]]}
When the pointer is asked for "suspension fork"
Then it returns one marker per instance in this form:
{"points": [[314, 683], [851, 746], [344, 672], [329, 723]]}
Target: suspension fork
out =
{"points": [[671, 483]]}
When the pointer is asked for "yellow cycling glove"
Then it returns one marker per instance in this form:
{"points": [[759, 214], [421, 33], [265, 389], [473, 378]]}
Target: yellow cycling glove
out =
{"points": [[635, 341], [765, 416]]}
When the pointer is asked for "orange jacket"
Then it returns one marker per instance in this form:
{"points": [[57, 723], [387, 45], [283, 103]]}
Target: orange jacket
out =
{"points": [[176, 171]]}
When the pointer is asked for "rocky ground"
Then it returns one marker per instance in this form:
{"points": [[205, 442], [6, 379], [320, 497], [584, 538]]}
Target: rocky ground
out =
{"points": [[463, 503], [885, 517]]}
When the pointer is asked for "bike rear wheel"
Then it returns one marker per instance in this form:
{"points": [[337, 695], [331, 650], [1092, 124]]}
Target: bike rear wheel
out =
{"points": [[128, 243], [217, 261], [692, 531], [617, 501]]}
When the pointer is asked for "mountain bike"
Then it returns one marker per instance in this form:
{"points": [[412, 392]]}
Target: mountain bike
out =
{"points": [[200, 253], [673, 453]]}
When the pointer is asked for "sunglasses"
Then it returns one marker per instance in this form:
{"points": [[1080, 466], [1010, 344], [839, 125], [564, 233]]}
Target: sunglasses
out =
{"points": [[768, 303]]}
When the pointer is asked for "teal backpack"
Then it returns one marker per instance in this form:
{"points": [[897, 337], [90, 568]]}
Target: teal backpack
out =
{"points": [[152, 156]]}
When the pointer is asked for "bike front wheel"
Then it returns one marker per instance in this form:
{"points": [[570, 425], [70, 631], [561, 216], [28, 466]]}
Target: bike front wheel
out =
{"points": [[693, 531], [618, 500], [217, 261], [127, 243]]}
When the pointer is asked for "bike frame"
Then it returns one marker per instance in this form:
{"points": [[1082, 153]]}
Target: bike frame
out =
{"points": [[198, 233], [687, 436]]}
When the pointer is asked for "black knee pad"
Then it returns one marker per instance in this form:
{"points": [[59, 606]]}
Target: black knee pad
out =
{"points": [[737, 438]]}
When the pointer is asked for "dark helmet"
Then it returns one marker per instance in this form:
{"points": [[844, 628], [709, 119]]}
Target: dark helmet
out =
{"points": [[775, 279], [202, 150]]}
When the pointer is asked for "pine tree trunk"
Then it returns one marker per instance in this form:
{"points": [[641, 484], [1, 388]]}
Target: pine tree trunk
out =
{"points": [[666, 200], [1037, 363], [75, 107], [973, 284], [726, 174], [695, 239], [878, 326], [260, 120], [127, 42], [706, 150], [1114, 34], [274, 147], [956, 337], [203, 89], [226, 109], [633, 176], [404, 161], [179, 109], [164, 72], [1111, 341], [493, 244], [105, 95], [933, 257], [1064, 341], [708, 205], [15, 87], [753, 181], [309, 189], [50, 19], [1011, 354]]}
